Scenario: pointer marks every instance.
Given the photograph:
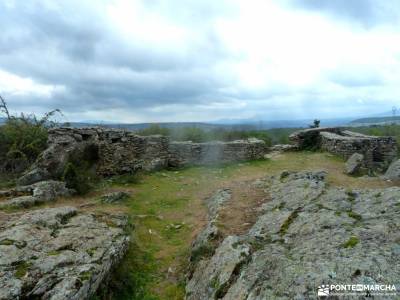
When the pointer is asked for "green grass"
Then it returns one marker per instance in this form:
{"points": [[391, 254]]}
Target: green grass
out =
{"points": [[354, 215], [351, 242], [22, 269], [285, 226], [7, 181]]}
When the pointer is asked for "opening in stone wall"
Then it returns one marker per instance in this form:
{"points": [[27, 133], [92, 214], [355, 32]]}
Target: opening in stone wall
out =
{"points": [[377, 155]]}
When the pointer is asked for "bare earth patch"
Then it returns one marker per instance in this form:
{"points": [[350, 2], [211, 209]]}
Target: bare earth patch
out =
{"points": [[241, 212]]}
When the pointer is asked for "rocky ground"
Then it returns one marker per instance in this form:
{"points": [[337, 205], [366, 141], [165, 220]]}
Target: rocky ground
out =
{"points": [[208, 232], [58, 253], [308, 234]]}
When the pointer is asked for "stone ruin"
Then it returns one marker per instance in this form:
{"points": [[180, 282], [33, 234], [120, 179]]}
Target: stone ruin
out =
{"points": [[114, 152], [378, 152]]}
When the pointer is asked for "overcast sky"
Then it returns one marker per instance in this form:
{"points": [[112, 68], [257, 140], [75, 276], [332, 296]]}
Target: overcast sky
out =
{"points": [[200, 60]]}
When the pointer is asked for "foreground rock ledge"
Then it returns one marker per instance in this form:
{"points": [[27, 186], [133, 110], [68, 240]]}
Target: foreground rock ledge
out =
{"points": [[58, 253], [310, 234]]}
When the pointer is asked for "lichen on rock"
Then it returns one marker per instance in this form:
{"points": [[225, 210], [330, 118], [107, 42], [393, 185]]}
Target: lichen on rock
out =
{"points": [[58, 253], [320, 235]]}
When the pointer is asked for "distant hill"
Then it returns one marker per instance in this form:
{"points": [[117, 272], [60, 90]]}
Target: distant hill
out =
{"points": [[224, 124], [376, 120], [268, 124], [170, 125]]}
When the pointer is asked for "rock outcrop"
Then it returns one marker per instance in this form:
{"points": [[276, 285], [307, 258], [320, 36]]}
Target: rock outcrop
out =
{"points": [[354, 164], [393, 172], [37, 193], [58, 253], [309, 234], [283, 148], [113, 152], [206, 241]]}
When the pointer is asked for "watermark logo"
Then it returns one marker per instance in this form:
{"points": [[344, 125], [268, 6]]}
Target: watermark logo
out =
{"points": [[357, 290], [323, 290]]}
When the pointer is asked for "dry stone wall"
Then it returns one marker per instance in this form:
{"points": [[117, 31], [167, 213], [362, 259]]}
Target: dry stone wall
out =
{"points": [[188, 153], [115, 152], [378, 152]]}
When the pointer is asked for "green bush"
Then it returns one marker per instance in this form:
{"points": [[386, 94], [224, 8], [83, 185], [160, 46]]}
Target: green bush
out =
{"points": [[22, 139]]}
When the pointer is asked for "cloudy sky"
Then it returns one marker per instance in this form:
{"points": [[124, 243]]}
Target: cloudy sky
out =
{"points": [[200, 60]]}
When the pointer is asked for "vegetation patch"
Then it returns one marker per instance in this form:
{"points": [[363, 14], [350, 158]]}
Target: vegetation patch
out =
{"points": [[202, 252], [22, 138], [22, 269], [351, 195], [354, 215], [91, 251], [351, 242], [285, 226], [53, 253], [84, 276], [7, 242], [78, 177]]}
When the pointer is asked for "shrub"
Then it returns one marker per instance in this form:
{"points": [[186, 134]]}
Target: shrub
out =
{"points": [[22, 139], [79, 173], [77, 178]]}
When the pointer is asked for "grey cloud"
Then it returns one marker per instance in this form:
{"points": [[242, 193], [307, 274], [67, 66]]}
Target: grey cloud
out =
{"points": [[69, 44], [367, 12], [356, 78], [98, 70]]}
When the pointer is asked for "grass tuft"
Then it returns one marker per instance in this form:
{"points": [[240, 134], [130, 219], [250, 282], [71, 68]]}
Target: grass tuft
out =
{"points": [[351, 242]]}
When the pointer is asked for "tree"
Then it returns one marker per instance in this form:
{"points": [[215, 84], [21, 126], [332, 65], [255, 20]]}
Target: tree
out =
{"points": [[315, 124], [4, 108]]}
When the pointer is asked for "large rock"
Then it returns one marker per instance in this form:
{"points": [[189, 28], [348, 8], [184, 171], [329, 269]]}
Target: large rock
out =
{"points": [[393, 172], [64, 145], [40, 192], [354, 164], [58, 253], [310, 234]]}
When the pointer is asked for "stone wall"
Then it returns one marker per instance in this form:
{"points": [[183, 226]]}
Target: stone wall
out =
{"points": [[378, 152], [310, 138], [114, 152], [188, 153], [124, 152]]}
